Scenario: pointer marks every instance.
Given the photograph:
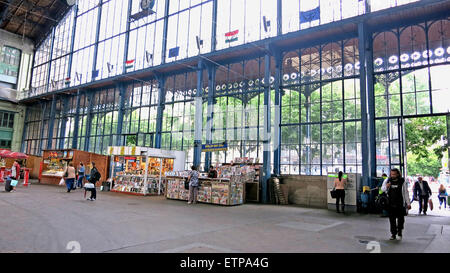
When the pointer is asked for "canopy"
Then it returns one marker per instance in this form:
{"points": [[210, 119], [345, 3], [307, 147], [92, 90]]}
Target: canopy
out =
{"points": [[9, 154]]}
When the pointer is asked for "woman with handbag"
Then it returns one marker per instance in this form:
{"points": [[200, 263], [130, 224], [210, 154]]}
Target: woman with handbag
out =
{"points": [[69, 176], [442, 196], [339, 185], [193, 185]]}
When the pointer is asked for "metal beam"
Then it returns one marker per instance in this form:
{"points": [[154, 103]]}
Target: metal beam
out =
{"points": [[97, 37], [76, 125], [65, 110], [210, 111], [277, 118], [164, 38], [362, 35], [160, 111], [51, 123], [87, 137], [267, 130], [122, 91], [198, 125], [214, 26], [4, 13]]}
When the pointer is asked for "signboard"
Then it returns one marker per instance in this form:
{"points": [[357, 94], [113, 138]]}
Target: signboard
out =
{"points": [[214, 147]]}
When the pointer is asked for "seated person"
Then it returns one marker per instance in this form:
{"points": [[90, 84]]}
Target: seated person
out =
{"points": [[212, 172]]}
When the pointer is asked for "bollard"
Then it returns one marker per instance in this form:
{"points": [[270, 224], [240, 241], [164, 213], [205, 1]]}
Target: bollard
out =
{"points": [[26, 176]]}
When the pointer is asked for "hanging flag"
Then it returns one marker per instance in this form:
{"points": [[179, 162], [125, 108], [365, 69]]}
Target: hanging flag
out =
{"points": [[95, 73], [310, 15], [173, 52], [67, 81], [110, 67], [129, 64], [53, 83], [231, 36]]}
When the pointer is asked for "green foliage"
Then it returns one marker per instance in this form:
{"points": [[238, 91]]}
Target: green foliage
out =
{"points": [[423, 135], [429, 166]]}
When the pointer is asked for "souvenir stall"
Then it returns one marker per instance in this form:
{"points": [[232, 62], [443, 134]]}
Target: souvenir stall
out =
{"points": [[54, 162], [228, 189], [139, 170]]}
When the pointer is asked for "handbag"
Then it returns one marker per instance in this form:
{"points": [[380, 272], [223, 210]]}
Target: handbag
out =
{"points": [[186, 184], [333, 193], [430, 203], [14, 183]]}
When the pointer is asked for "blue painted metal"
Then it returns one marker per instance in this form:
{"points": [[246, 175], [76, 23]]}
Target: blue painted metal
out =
{"points": [[72, 44], [214, 26], [49, 68], [198, 116], [164, 38], [25, 127], [277, 120], [160, 111], [87, 142], [65, 109], [279, 17], [371, 104], [51, 123], [76, 125], [41, 134], [364, 114], [127, 36], [210, 111], [267, 129], [121, 110], [97, 35]]}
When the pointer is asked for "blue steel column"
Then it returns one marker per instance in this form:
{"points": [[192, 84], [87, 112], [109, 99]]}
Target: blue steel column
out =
{"points": [[277, 118], [279, 17], [72, 44], [41, 134], [65, 110], [164, 39], [214, 26], [210, 111], [51, 123], [24, 134], [198, 116], [122, 89], [76, 125], [160, 111], [267, 129], [97, 36], [90, 97], [371, 105], [364, 104], [49, 69], [127, 37]]}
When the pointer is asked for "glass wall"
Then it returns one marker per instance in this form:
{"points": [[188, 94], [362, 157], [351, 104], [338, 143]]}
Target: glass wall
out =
{"points": [[321, 110], [411, 66]]}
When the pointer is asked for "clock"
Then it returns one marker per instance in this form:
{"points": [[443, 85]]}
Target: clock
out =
{"points": [[147, 4]]}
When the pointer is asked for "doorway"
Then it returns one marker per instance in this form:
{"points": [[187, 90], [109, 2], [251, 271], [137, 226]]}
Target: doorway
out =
{"points": [[426, 154]]}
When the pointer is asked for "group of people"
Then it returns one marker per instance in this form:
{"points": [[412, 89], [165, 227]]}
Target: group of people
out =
{"points": [[398, 202], [70, 175]]}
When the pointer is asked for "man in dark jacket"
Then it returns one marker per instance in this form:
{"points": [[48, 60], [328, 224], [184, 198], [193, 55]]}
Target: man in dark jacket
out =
{"points": [[397, 192], [423, 192], [94, 178]]}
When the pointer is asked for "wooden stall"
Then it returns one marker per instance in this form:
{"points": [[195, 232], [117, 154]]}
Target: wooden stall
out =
{"points": [[54, 163]]}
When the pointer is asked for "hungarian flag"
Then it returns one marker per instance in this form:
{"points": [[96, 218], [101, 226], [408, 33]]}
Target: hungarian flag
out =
{"points": [[231, 36], [67, 81], [129, 64]]}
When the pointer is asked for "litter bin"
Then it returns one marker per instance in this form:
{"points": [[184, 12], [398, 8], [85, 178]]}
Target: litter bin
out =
{"points": [[8, 186]]}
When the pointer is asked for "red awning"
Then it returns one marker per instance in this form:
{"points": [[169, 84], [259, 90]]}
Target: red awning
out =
{"points": [[9, 154]]}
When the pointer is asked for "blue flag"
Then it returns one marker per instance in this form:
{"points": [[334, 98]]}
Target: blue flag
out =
{"points": [[173, 52], [310, 15]]}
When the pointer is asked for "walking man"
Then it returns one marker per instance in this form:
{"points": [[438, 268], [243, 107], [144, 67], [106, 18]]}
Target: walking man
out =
{"points": [[94, 178], [423, 192], [399, 203]]}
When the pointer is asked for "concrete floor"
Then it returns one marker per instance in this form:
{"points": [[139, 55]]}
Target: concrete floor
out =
{"points": [[46, 219]]}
